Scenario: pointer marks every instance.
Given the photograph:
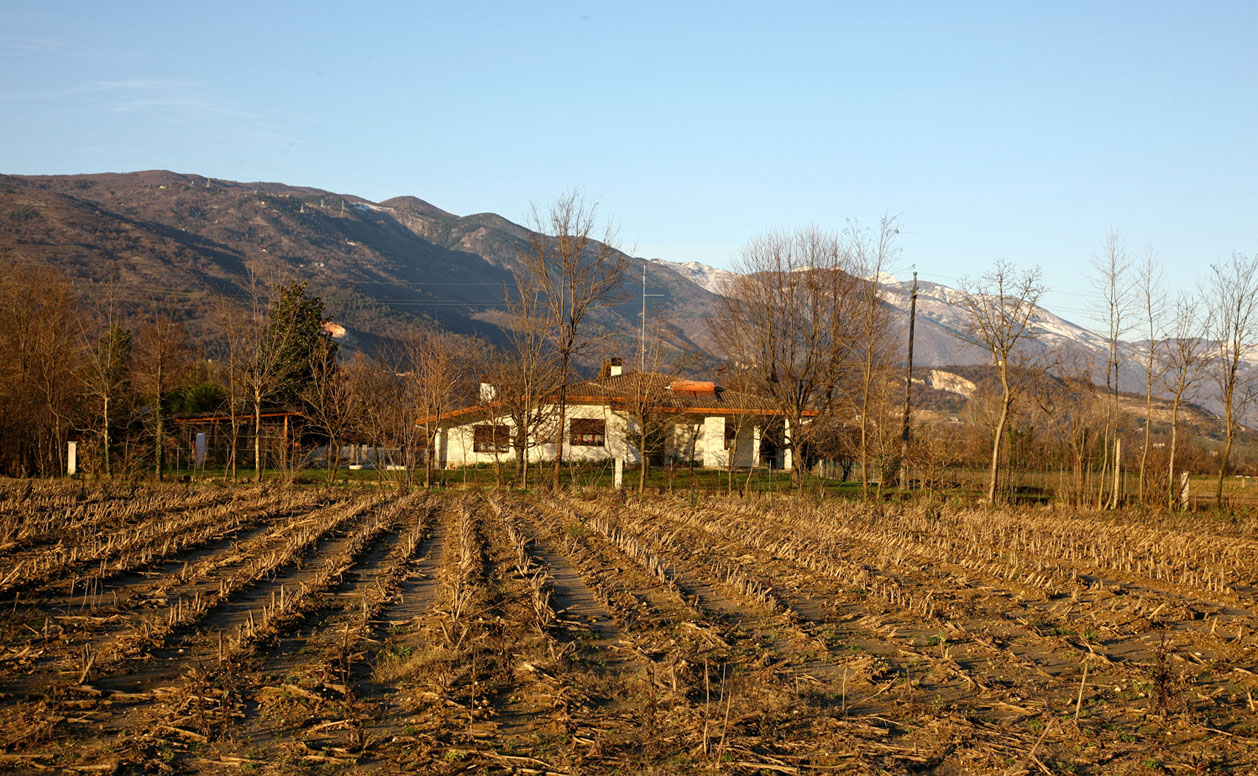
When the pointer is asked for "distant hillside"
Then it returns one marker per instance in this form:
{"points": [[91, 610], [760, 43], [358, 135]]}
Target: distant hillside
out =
{"points": [[941, 338], [947, 390], [180, 242]]}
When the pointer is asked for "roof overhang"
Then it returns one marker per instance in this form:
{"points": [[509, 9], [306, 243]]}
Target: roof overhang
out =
{"points": [[617, 403]]}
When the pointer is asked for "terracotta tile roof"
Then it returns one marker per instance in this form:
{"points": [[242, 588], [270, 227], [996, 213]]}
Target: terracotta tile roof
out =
{"points": [[668, 391], [687, 396]]}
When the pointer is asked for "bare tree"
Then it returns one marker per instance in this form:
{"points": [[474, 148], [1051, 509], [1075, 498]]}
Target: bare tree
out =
{"points": [[39, 355], [1075, 411], [1112, 265], [870, 254], [1153, 300], [329, 400], [434, 381], [1183, 357], [649, 417], [402, 395], [527, 376], [1233, 291], [501, 437], [385, 411], [162, 358], [241, 331], [275, 341], [572, 274], [786, 318], [107, 380], [1000, 306], [260, 363], [739, 380]]}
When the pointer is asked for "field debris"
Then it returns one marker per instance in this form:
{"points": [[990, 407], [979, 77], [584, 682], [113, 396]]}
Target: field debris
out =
{"points": [[277, 630]]}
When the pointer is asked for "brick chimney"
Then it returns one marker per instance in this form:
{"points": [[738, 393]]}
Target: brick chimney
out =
{"points": [[617, 368]]}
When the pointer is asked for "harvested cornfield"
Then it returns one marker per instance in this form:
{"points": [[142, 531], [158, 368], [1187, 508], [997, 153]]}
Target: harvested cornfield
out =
{"points": [[273, 630]]}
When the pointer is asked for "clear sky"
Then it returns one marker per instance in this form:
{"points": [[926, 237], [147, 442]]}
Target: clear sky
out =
{"points": [[1010, 130]]}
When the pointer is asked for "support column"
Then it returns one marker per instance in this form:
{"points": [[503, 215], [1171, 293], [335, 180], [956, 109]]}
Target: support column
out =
{"points": [[715, 455]]}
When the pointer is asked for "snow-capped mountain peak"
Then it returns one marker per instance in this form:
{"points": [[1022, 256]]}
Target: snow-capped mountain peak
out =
{"points": [[941, 309], [709, 278]]}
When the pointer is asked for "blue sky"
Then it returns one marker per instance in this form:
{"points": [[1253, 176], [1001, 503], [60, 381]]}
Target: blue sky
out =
{"points": [[995, 130]]}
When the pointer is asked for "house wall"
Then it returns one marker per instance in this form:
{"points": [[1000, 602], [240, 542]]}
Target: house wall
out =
{"points": [[715, 456], [698, 438], [684, 441], [613, 434], [747, 446], [457, 442], [619, 431]]}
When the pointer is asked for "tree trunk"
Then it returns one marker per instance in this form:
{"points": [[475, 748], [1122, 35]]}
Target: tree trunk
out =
{"points": [[1100, 488], [1170, 466], [257, 437], [431, 440], [994, 471], [1144, 453], [235, 444], [559, 433], [864, 456], [520, 445], [157, 411], [1227, 454], [59, 453], [160, 430], [106, 418], [1118, 473], [643, 461]]}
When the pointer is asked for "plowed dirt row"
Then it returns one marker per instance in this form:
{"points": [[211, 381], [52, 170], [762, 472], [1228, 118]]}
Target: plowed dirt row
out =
{"points": [[120, 600], [587, 633], [110, 594]]}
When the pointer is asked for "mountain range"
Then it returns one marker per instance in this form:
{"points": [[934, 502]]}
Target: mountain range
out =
{"points": [[180, 243], [941, 336]]}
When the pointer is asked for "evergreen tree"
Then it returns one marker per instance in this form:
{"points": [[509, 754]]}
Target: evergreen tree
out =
{"points": [[294, 338]]}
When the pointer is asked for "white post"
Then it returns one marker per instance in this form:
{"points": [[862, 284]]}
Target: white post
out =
{"points": [[787, 452], [72, 458], [620, 473]]}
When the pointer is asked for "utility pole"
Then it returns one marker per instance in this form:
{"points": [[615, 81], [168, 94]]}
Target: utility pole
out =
{"points": [[642, 333], [908, 390]]}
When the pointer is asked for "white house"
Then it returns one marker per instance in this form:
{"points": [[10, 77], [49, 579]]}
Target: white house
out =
{"points": [[690, 421]]}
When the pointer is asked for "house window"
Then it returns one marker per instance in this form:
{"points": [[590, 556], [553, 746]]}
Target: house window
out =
{"points": [[587, 432], [731, 433], [491, 439]]}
